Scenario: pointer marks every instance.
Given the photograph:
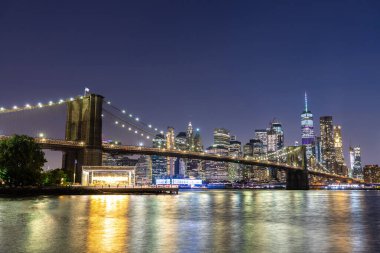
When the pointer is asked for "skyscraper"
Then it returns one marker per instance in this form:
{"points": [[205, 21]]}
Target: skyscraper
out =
{"points": [[170, 144], [327, 142], [352, 161], [234, 169], [221, 137], [338, 145], [357, 171], [190, 137], [307, 126], [276, 126], [159, 163], [262, 135]]}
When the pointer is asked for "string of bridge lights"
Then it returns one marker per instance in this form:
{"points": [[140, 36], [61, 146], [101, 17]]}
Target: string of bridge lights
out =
{"points": [[135, 118], [28, 106], [129, 126]]}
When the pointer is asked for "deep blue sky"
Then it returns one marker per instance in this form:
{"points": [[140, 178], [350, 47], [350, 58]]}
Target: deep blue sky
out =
{"points": [[232, 64]]}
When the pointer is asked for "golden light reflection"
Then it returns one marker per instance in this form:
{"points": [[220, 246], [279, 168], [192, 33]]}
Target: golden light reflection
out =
{"points": [[108, 224]]}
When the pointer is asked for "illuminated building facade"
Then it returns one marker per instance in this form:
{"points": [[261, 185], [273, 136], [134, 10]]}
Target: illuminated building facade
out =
{"points": [[307, 126], [371, 174], [272, 141], [338, 145], [159, 163], [143, 170], [221, 137], [352, 160], [276, 126], [216, 171], [181, 141], [170, 144], [108, 175], [327, 142], [190, 137], [262, 135], [357, 171], [318, 149], [234, 169]]}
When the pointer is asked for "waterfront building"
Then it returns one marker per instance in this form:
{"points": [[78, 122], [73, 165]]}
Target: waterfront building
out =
{"points": [[216, 171], [221, 137], [371, 174], [108, 175], [159, 163], [327, 142], [170, 144], [307, 126], [143, 170], [234, 169], [357, 171]]}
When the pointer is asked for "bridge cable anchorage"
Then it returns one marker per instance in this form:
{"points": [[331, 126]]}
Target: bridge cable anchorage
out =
{"points": [[134, 117], [39, 105]]}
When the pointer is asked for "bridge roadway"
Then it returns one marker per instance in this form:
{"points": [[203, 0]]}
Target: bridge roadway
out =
{"points": [[62, 145]]}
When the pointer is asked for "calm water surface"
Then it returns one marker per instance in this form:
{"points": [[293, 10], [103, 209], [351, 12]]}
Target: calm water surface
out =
{"points": [[194, 221]]}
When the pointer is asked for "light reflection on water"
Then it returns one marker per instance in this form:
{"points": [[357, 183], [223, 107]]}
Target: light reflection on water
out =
{"points": [[194, 221]]}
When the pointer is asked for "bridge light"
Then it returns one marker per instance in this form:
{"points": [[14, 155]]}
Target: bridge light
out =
{"points": [[150, 126], [130, 115], [108, 102], [60, 101], [51, 103], [129, 128], [102, 115], [137, 119], [71, 99], [116, 122], [15, 107], [155, 129], [123, 125], [141, 144], [27, 106], [81, 97], [136, 132], [142, 134], [2, 109], [39, 104], [148, 137], [123, 111], [161, 132]]}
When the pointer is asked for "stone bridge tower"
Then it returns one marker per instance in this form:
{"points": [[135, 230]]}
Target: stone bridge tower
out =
{"points": [[84, 124]]}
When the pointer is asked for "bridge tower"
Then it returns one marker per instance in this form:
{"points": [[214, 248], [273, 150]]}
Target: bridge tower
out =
{"points": [[298, 180], [84, 124]]}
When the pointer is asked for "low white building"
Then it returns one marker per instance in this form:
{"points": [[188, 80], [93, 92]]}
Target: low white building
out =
{"points": [[108, 175]]}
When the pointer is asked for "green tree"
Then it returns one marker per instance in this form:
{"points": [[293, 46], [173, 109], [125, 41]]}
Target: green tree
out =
{"points": [[21, 160], [54, 177]]}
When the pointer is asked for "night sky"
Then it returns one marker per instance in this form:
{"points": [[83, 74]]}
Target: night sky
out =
{"points": [[232, 64]]}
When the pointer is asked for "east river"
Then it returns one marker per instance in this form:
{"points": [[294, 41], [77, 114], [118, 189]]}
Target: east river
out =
{"points": [[194, 221]]}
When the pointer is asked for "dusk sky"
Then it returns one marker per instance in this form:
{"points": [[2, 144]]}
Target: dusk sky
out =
{"points": [[231, 64]]}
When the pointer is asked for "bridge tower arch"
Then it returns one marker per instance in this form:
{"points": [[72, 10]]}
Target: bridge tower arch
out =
{"points": [[83, 124], [298, 180]]}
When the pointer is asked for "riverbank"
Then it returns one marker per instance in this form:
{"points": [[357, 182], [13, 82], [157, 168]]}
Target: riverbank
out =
{"points": [[82, 190]]}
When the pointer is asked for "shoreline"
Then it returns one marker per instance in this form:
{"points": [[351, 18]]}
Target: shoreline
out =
{"points": [[82, 190]]}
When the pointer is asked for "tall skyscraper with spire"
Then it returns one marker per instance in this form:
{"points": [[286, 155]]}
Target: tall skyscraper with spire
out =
{"points": [[307, 126]]}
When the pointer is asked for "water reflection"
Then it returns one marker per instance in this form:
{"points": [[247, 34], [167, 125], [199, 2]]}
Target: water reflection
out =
{"points": [[107, 226], [194, 221]]}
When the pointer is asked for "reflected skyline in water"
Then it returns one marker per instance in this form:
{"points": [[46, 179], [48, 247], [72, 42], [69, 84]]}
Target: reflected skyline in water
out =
{"points": [[194, 221]]}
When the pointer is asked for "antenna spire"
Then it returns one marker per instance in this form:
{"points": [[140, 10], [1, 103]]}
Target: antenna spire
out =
{"points": [[306, 109]]}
